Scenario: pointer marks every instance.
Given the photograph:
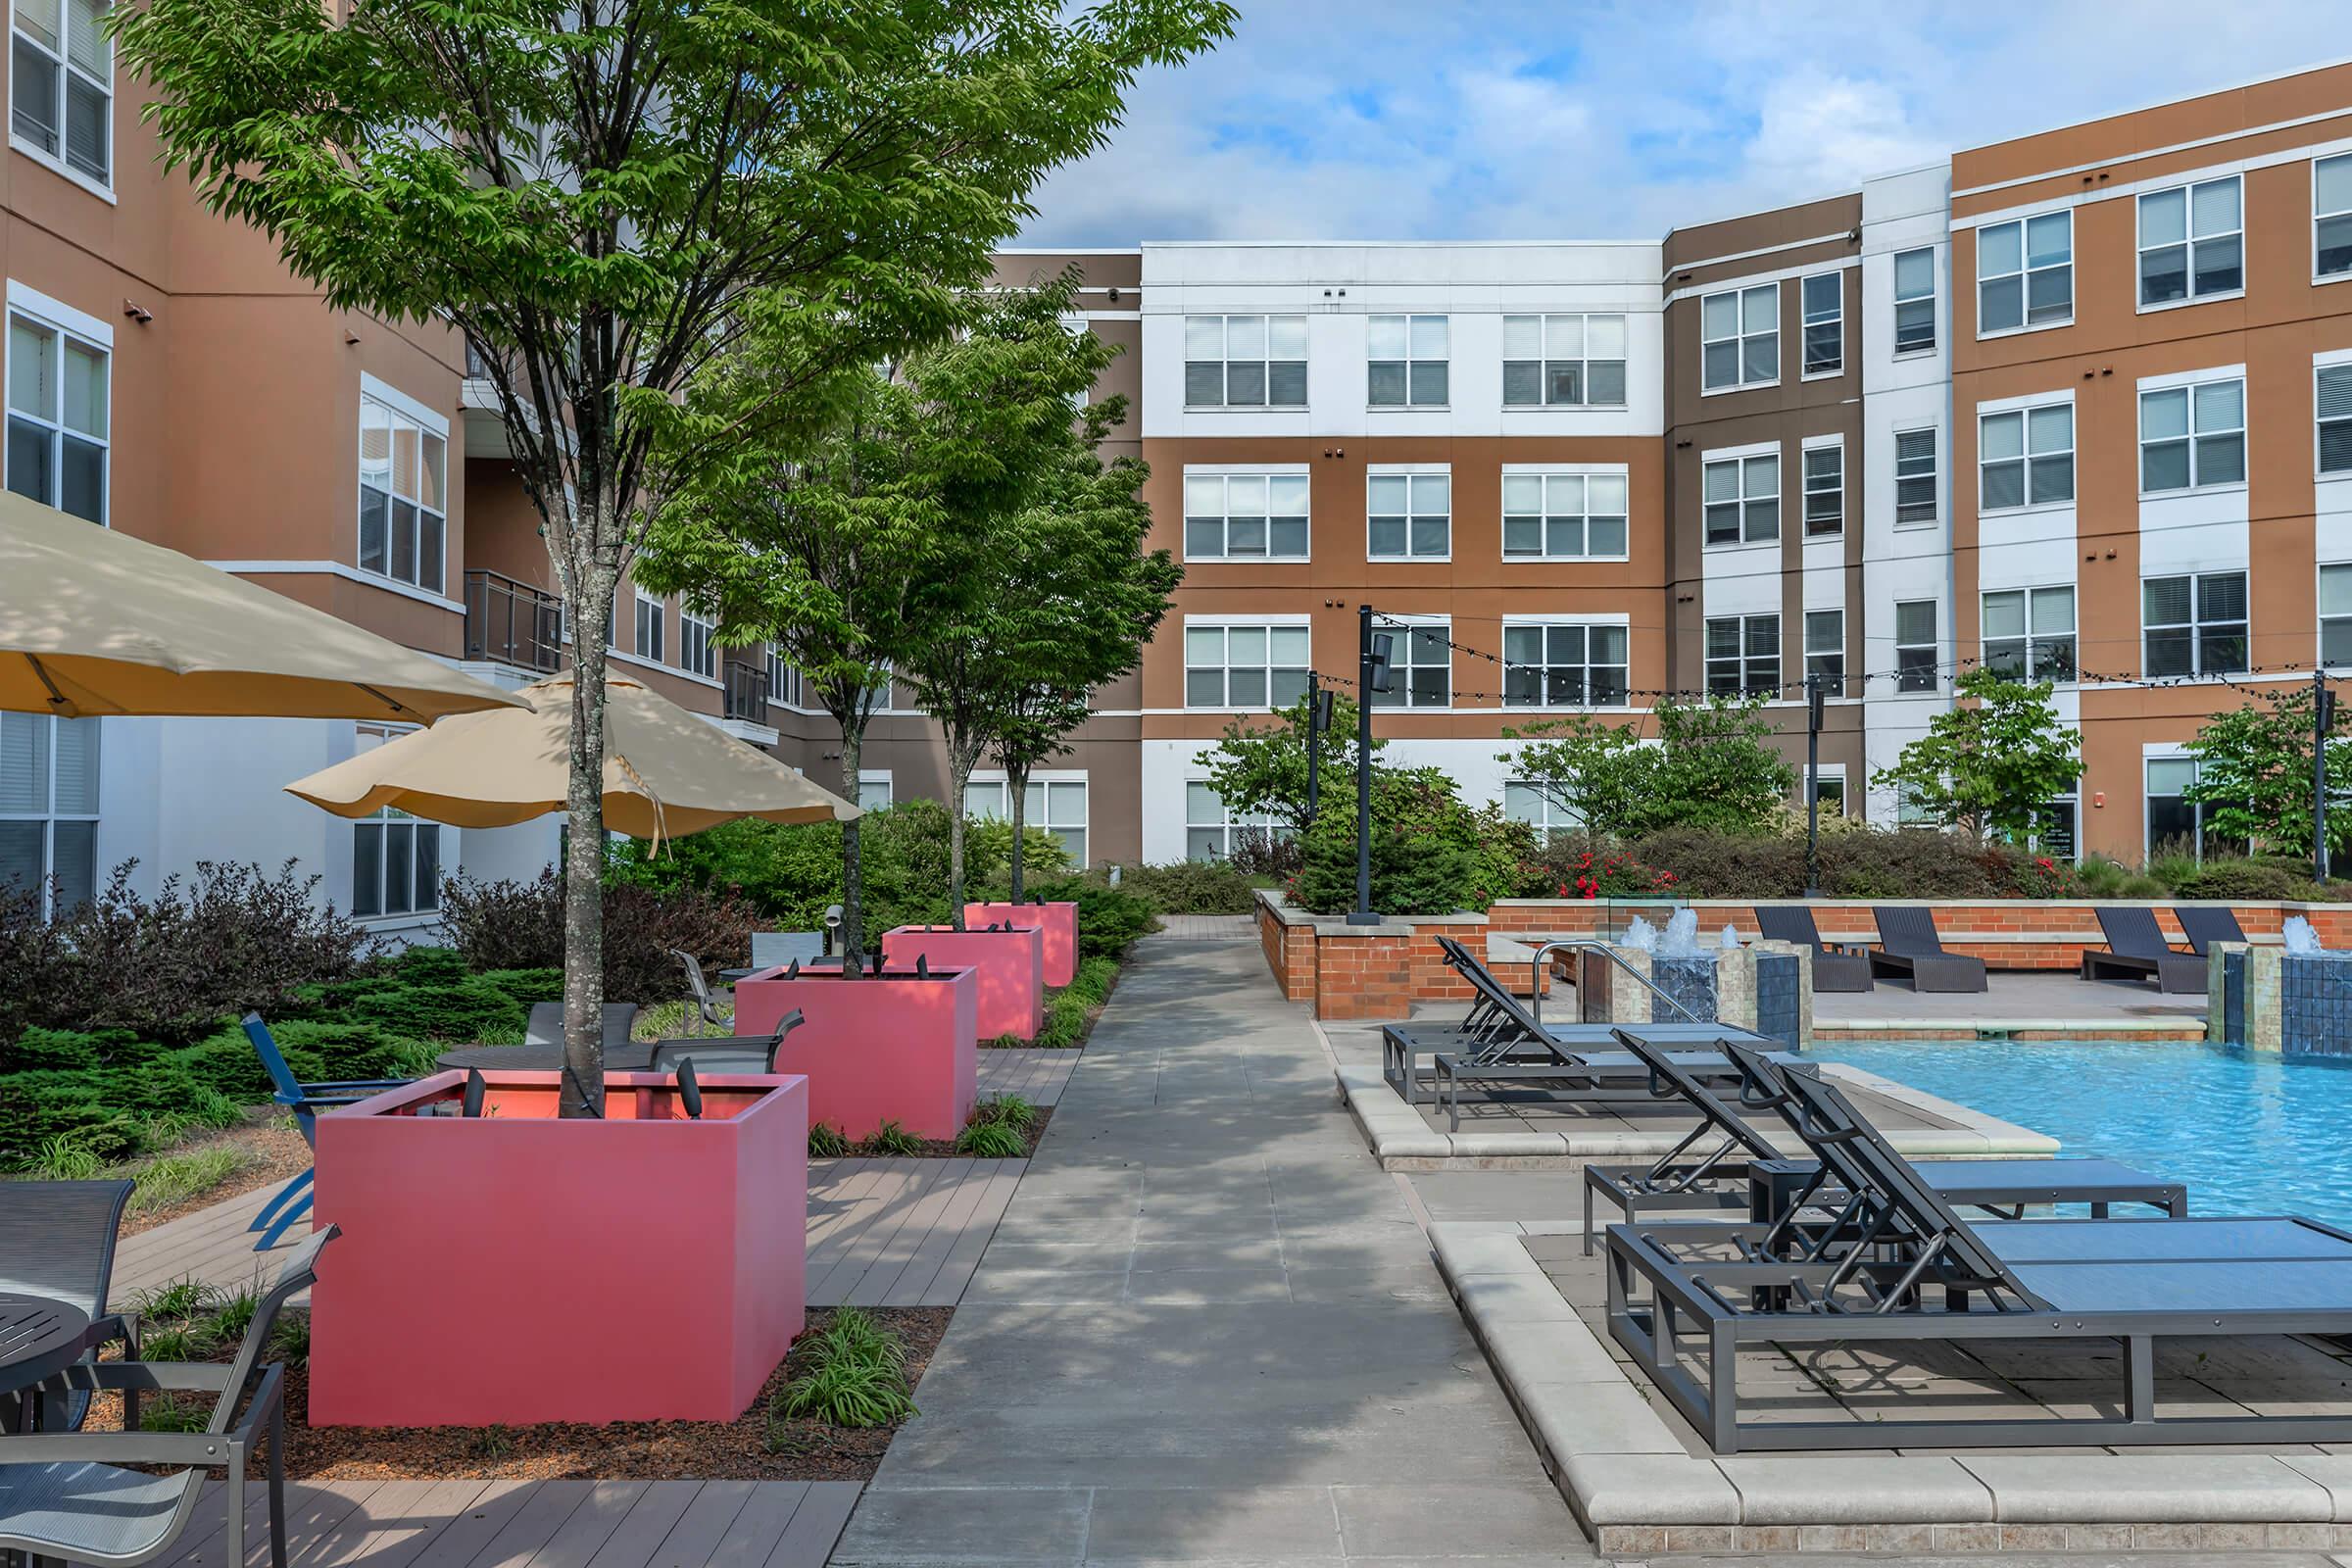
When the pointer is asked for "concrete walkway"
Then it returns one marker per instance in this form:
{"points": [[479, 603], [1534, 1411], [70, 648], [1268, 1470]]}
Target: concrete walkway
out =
{"points": [[1208, 1328]]}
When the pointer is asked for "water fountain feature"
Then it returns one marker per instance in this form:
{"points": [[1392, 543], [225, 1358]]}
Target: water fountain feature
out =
{"points": [[2295, 998], [1761, 985]]}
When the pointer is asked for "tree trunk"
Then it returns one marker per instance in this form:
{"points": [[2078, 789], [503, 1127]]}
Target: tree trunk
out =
{"points": [[853, 883], [960, 775], [1017, 788], [583, 1085]]}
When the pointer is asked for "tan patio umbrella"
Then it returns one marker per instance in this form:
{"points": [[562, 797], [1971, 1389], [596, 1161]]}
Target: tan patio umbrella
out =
{"points": [[94, 622], [666, 772]]}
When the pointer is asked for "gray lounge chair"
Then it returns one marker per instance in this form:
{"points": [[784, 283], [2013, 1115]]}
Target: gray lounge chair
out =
{"points": [[1898, 1265], [1746, 1175], [57, 1239], [546, 1027], [1838, 968], [2137, 950], [77, 1494], [1909, 947], [2206, 925]]}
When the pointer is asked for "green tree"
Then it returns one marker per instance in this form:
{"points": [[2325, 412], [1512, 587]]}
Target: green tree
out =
{"points": [[603, 197], [1992, 763], [1596, 772], [2254, 772], [1259, 765], [1710, 767]]}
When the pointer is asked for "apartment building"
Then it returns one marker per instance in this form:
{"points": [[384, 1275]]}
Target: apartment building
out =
{"points": [[2078, 404]]}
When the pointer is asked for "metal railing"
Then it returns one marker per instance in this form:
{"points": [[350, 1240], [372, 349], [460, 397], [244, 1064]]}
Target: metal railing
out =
{"points": [[745, 691], [511, 622], [1589, 944]]}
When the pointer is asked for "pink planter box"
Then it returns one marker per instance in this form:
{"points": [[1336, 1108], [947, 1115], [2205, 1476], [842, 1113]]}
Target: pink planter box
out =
{"points": [[1010, 965], [516, 1268], [876, 1048], [1059, 922]]}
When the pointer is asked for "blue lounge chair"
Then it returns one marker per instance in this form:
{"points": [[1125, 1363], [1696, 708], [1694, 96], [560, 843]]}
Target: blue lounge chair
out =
{"points": [[305, 1100]]}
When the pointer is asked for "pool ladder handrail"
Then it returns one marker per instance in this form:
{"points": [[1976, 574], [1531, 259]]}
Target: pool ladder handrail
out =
{"points": [[1590, 945]]}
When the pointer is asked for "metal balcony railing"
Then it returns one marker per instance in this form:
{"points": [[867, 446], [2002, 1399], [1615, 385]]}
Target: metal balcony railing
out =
{"points": [[747, 691], [511, 622]]}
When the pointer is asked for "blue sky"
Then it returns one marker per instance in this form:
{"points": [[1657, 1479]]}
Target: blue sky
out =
{"points": [[1509, 119]]}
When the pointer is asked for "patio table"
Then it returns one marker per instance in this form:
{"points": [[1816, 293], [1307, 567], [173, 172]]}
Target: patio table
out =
{"points": [[39, 1338]]}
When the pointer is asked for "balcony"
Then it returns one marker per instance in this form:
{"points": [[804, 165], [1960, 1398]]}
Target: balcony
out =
{"points": [[747, 691], [511, 622]]}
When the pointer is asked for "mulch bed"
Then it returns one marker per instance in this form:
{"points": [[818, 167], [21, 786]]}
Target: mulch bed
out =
{"points": [[274, 1153], [747, 1448]]}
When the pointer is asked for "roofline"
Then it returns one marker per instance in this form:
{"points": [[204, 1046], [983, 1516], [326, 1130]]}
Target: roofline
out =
{"points": [[2163, 103]]}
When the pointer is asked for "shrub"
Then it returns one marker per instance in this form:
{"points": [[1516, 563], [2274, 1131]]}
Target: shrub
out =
{"points": [[855, 1377], [64, 1050], [991, 1140], [1258, 851], [826, 1141], [520, 925], [1570, 867], [1109, 918], [1431, 855], [1192, 887], [1909, 863], [2241, 880], [890, 1138], [528, 987], [505, 925], [467, 1009]]}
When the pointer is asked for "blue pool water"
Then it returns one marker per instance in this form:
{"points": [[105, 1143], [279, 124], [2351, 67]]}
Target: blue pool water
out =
{"points": [[2250, 1135]]}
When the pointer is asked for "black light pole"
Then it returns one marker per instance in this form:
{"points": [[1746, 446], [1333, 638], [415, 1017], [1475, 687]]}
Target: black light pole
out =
{"points": [[1812, 784], [2322, 720], [1314, 746], [1372, 676]]}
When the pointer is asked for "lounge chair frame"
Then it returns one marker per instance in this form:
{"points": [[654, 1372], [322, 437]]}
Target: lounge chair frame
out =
{"points": [[2137, 950], [1909, 946], [1841, 968], [304, 1100]]}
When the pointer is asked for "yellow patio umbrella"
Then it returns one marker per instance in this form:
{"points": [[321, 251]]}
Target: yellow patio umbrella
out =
{"points": [[667, 772], [93, 621]]}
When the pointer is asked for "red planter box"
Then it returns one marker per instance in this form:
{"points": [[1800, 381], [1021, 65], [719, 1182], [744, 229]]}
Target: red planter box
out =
{"points": [[876, 1048], [1059, 922], [1011, 966], [517, 1268]]}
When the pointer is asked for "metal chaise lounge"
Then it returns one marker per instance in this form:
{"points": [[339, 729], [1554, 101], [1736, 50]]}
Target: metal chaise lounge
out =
{"points": [[1908, 946], [1746, 1175], [2207, 924], [2137, 950], [57, 1239], [1900, 1266], [1834, 968]]}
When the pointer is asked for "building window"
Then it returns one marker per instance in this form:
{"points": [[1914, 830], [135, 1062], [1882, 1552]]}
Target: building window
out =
{"points": [[2054, 827], [1556, 361], [1915, 647], [1740, 338], [1409, 516], [57, 415], [649, 628], [2026, 273], [1829, 790], [1563, 664], [696, 653], [1533, 804], [2331, 217], [1057, 806], [1824, 649], [1914, 301], [2194, 626], [1913, 477], [873, 790], [1244, 666], [1244, 516], [404, 484], [2192, 242], [1420, 664], [1245, 362], [2026, 457], [2191, 437], [1824, 299], [2172, 818], [1405, 362], [62, 84], [2335, 616], [1743, 500], [1824, 489], [2334, 408], [1744, 654], [49, 809], [2030, 633], [1563, 517], [784, 684], [1213, 833], [395, 859]]}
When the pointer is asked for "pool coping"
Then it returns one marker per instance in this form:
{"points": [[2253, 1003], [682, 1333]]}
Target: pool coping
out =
{"points": [[2181, 1027], [1634, 1488]]}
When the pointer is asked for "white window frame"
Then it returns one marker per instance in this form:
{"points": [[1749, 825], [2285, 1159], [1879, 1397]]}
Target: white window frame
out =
{"points": [[49, 816], [648, 605], [1580, 480], [1808, 320], [873, 789], [1834, 448], [1414, 360], [1744, 463], [1225, 361], [1908, 681], [1416, 478], [1901, 299], [2338, 366], [2195, 437], [2320, 214], [1740, 338], [2027, 455], [693, 628], [1549, 817], [381, 829], [1547, 326], [2198, 830], [2026, 270], [67, 73], [1225, 824], [1831, 617], [1745, 658], [1268, 477], [2343, 619], [2033, 664], [1587, 625], [2189, 244], [1225, 626], [785, 688], [2197, 624], [427, 426], [1050, 785], [1933, 476], [44, 314], [1404, 629]]}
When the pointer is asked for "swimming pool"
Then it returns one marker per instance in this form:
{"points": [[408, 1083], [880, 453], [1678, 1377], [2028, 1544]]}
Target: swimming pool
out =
{"points": [[2250, 1135]]}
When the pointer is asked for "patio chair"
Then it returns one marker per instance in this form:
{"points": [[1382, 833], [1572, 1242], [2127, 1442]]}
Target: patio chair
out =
{"points": [[57, 1239], [305, 1100], [2137, 950], [699, 990], [1746, 1175], [725, 1052], [1834, 968], [546, 1027], [1908, 946], [2207, 924], [1902, 1267], [125, 1497]]}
